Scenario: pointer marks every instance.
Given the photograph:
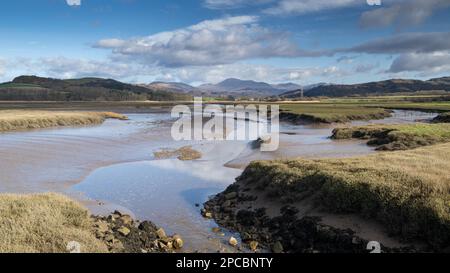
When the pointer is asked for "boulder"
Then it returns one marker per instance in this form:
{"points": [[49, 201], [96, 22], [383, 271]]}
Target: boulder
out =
{"points": [[233, 241], [231, 195], [126, 220], [178, 242], [277, 247], [124, 231], [161, 233], [253, 245]]}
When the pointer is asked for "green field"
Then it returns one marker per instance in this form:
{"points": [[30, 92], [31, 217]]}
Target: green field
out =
{"points": [[330, 113]]}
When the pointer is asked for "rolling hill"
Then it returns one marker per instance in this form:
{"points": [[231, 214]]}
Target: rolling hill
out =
{"points": [[374, 88], [33, 88]]}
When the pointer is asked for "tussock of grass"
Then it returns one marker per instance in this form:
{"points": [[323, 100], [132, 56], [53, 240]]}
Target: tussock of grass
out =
{"points": [[397, 137], [184, 153], [330, 113], [444, 117], [44, 223], [407, 191], [11, 120]]}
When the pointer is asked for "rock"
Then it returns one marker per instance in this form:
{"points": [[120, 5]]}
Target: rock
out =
{"points": [[226, 204], [117, 213], [170, 245], [126, 219], [233, 241], [356, 240], [253, 245], [231, 195], [207, 215], [277, 247], [147, 227], [102, 226], [178, 242], [161, 233], [124, 231]]}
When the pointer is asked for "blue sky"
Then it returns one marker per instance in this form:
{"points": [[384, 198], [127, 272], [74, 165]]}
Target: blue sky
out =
{"points": [[301, 41]]}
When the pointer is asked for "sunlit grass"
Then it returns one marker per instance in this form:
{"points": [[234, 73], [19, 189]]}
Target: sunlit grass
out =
{"points": [[407, 191], [11, 120], [329, 113], [45, 223]]}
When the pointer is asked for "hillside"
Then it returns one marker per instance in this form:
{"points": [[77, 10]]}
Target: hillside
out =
{"points": [[33, 88], [375, 88], [248, 88]]}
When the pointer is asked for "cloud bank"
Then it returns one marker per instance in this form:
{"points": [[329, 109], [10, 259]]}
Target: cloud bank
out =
{"points": [[211, 42]]}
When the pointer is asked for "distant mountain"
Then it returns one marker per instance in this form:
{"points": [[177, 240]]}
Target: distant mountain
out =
{"points": [[85, 89], [248, 88], [172, 87], [302, 90], [375, 88], [287, 86]]}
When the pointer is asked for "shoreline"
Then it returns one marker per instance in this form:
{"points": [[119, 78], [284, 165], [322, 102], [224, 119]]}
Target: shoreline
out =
{"points": [[308, 206]]}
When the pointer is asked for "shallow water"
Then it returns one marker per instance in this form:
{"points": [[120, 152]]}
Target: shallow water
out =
{"points": [[112, 166]]}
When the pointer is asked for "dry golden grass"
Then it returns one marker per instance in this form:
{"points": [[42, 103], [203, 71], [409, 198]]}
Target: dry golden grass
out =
{"points": [[44, 223], [11, 120], [407, 191]]}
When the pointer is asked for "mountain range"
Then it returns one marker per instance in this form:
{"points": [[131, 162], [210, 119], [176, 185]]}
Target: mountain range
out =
{"points": [[92, 89], [228, 87], [374, 88]]}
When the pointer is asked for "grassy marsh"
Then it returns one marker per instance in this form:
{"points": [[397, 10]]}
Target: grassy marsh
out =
{"points": [[11, 120], [45, 223], [407, 191], [397, 137], [330, 113]]}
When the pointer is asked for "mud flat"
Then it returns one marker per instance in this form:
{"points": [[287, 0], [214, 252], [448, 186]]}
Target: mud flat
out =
{"points": [[338, 205]]}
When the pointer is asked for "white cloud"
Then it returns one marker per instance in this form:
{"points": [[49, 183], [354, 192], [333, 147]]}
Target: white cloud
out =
{"points": [[286, 7], [402, 12], [405, 43], [266, 73], [2, 67], [426, 63], [211, 42], [73, 2], [62, 67], [231, 4]]}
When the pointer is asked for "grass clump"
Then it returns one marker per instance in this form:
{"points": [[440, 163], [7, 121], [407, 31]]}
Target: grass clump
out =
{"points": [[330, 113], [407, 191], [184, 154], [397, 137], [44, 223], [12, 120], [444, 118]]}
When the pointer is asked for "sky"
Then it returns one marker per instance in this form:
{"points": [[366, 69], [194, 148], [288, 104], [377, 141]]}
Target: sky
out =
{"points": [[207, 41]]}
